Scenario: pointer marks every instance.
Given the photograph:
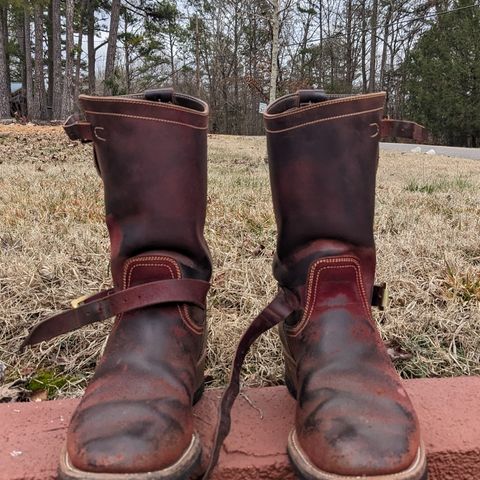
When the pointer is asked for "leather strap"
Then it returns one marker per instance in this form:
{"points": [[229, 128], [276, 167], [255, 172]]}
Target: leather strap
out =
{"points": [[78, 130], [114, 302], [272, 315], [403, 129]]}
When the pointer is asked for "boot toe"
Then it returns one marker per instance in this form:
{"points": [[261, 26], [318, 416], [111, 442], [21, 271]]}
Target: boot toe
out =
{"points": [[356, 448], [127, 437]]}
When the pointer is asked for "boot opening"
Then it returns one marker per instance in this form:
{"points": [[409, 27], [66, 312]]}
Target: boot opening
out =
{"points": [[303, 98], [168, 95]]}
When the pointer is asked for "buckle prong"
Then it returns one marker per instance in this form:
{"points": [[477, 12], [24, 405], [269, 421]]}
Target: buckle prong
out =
{"points": [[78, 301]]}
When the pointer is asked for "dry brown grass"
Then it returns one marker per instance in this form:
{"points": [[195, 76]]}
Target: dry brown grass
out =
{"points": [[53, 247]]}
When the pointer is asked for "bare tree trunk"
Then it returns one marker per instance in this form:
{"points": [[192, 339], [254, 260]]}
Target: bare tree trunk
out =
{"points": [[373, 46], [28, 61], [20, 33], [7, 39], [57, 61], [91, 47], [39, 108], [112, 48], [173, 73], [50, 62], [197, 55], [320, 46], [364, 48], [349, 59], [386, 33], [78, 60], [67, 99], [126, 48], [225, 97], [236, 43], [253, 120], [275, 49], [4, 81], [304, 45]]}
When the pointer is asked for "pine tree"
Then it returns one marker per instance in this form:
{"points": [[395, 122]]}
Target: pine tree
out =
{"points": [[4, 81], [443, 77]]}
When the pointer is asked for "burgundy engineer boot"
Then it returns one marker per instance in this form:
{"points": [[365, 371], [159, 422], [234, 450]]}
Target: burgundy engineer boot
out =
{"points": [[135, 420], [353, 417]]}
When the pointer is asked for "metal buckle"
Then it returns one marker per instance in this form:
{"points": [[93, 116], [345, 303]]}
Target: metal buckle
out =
{"points": [[380, 297], [384, 299], [78, 301]]}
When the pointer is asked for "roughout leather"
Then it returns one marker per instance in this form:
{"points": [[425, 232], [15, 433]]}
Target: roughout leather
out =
{"points": [[136, 414], [353, 416]]}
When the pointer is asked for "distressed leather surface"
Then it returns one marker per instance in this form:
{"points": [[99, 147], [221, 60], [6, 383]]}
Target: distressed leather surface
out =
{"points": [[136, 413], [353, 416], [323, 186]]}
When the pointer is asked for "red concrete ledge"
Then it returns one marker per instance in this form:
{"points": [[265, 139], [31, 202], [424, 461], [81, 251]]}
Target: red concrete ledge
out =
{"points": [[32, 434]]}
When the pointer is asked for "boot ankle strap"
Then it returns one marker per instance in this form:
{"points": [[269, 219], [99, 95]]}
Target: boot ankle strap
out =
{"points": [[114, 302]]}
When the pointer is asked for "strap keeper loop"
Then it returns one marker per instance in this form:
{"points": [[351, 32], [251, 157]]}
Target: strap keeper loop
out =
{"points": [[78, 130]]}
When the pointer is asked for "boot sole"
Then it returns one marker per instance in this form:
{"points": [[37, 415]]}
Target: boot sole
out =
{"points": [[182, 469], [307, 471]]}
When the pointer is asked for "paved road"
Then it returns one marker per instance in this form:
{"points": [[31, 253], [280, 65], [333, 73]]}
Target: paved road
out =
{"points": [[470, 153]]}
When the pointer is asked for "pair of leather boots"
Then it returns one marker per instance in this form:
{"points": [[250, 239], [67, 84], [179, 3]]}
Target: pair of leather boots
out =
{"points": [[353, 417]]}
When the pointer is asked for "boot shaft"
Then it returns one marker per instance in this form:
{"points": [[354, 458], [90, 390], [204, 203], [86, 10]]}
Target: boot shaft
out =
{"points": [[151, 152], [323, 157]]}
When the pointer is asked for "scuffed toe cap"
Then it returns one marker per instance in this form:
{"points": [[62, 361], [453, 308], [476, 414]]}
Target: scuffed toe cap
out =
{"points": [[127, 437], [356, 445]]}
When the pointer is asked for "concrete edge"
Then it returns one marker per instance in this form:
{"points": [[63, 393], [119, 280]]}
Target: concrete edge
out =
{"points": [[32, 434]]}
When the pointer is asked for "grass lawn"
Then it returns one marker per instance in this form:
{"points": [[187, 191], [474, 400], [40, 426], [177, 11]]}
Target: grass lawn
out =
{"points": [[54, 247]]}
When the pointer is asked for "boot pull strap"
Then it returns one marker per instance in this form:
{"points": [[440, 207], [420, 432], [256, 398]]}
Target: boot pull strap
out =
{"points": [[114, 302], [403, 129], [272, 315], [78, 130], [311, 96], [164, 95]]}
